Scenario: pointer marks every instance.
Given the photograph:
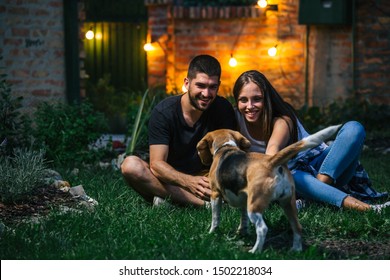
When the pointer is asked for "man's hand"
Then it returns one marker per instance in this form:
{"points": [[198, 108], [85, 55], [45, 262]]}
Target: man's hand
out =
{"points": [[200, 187]]}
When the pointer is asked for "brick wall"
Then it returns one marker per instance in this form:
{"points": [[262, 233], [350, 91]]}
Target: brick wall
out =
{"points": [[373, 50], [32, 47], [247, 33]]}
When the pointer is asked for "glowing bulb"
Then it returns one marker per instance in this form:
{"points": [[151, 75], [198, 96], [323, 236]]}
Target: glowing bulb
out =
{"points": [[148, 47], [89, 35], [232, 61], [272, 51], [262, 3], [98, 36]]}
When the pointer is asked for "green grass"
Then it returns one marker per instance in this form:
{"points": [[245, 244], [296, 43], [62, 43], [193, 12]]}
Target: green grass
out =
{"points": [[123, 226]]}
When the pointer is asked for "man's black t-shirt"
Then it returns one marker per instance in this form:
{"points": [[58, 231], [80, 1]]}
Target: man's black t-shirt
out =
{"points": [[168, 127]]}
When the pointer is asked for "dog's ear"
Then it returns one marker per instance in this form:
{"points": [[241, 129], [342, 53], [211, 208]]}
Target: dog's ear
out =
{"points": [[242, 142], [204, 152]]}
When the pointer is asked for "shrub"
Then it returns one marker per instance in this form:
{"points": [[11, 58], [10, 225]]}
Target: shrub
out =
{"points": [[15, 127], [66, 131], [111, 102], [374, 117], [21, 173]]}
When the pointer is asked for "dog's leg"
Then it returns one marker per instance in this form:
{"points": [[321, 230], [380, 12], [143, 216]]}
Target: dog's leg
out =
{"points": [[291, 212], [243, 227], [216, 204], [261, 231]]}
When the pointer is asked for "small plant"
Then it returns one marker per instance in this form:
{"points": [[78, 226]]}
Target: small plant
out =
{"points": [[66, 131], [138, 121], [14, 126], [21, 173]]}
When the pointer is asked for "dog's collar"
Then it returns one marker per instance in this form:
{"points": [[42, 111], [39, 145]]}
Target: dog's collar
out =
{"points": [[230, 143]]}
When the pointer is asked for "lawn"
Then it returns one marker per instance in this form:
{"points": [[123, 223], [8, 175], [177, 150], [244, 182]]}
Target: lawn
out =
{"points": [[124, 227]]}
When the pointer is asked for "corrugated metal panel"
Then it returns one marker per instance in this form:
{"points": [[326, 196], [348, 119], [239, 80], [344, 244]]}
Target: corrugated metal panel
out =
{"points": [[119, 52], [117, 10]]}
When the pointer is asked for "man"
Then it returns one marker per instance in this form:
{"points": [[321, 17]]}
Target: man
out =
{"points": [[176, 125]]}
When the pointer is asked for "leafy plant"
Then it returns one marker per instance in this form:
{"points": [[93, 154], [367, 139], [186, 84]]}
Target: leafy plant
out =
{"points": [[138, 121], [21, 173], [14, 126], [113, 103], [374, 117], [66, 131]]}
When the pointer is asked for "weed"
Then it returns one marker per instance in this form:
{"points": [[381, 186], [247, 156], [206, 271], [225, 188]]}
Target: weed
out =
{"points": [[21, 173]]}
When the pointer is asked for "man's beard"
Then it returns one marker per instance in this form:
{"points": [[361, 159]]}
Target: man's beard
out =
{"points": [[194, 103]]}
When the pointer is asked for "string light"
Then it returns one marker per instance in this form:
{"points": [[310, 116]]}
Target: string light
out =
{"points": [[90, 34], [273, 50], [232, 61], [148, 47], [262, 3]]}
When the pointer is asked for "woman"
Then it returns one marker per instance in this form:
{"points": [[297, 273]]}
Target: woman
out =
{"points": [[331, 174]]}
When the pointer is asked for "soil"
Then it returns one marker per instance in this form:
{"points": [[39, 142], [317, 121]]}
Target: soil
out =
{"points": [[39, 203]]}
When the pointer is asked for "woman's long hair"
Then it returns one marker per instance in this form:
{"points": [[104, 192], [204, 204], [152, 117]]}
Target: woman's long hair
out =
{"points": [[274, 105]]}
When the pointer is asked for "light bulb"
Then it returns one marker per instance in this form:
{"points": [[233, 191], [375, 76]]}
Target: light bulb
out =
{"points": [[89, 35], [148, 47], [272, 51], [232, 61], [262, 3]]}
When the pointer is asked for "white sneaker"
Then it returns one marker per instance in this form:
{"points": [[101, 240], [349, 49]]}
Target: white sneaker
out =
{"points": [[158, 201], [379, 207], [300, 203]]}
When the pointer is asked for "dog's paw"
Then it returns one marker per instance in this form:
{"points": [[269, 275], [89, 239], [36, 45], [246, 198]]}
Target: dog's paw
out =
{"points": [[255, 250], [296, 248]]}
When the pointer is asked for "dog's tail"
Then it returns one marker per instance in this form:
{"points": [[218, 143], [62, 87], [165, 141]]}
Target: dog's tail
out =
{"points": [[311, 141]]}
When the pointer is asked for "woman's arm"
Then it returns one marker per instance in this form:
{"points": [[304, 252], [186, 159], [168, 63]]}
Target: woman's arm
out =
{"points": [[280, 136]]}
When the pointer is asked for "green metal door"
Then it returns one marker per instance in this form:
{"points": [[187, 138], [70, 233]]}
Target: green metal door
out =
{"points": [[116, 50], [120, 29]]}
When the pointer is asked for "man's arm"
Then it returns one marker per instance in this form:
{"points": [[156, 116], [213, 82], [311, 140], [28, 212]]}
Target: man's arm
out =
{"points": [[197, 185]]}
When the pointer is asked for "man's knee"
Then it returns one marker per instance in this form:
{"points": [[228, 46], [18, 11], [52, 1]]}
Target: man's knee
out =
{"points": [[133, 167]]}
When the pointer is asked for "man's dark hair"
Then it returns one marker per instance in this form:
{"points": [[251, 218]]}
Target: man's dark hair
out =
{"points": [[204, 64]]}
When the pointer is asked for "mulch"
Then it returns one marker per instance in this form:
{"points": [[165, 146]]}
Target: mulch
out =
{"points": [[39, 203]]}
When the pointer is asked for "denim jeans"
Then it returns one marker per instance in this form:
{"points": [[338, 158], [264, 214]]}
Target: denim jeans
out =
{"points": [[338, 161]]}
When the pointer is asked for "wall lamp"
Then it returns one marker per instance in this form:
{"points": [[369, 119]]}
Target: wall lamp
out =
{"points": [[268, 7]]}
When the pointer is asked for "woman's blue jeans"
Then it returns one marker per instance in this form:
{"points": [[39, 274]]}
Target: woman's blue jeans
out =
{"points": [[338, 161]]}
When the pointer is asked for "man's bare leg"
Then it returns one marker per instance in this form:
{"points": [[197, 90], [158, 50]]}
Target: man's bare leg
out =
{"points": [[138, 176]]}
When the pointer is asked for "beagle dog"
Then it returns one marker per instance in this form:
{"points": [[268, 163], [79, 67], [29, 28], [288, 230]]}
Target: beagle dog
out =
{"points": [[250, 181]]}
